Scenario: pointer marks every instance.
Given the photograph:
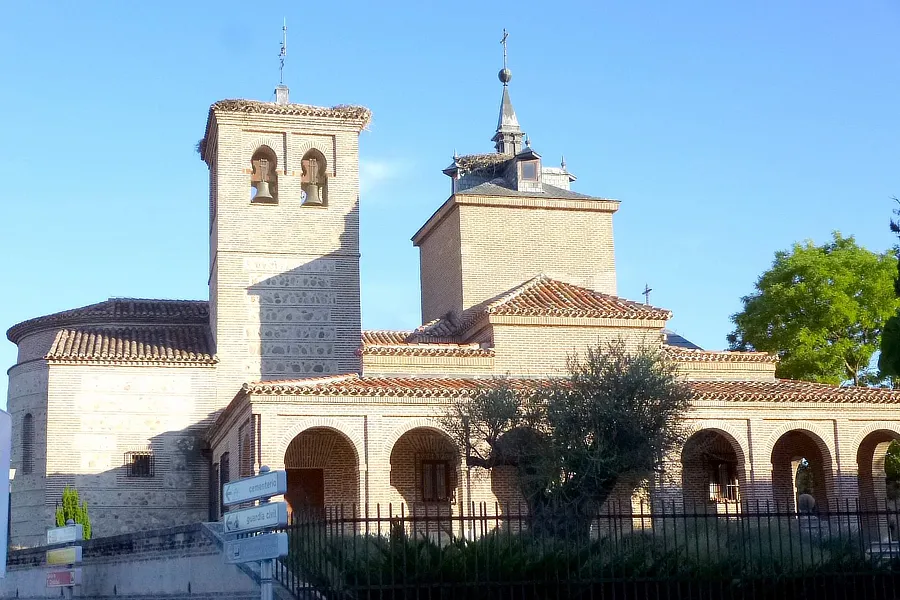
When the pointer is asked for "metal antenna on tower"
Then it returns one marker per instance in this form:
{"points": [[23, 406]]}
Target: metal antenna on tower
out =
{"points": [[283, 52]]}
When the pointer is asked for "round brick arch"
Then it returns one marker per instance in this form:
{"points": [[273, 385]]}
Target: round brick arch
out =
{"points": [[822, 437], [731, 433], [271, 141], [823, 440], [695, 482], [891, 427], [408, 425], [336, 425]]}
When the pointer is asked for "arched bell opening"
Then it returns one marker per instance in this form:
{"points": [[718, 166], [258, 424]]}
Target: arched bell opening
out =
{"points": [[264, 176], [314, 179]]}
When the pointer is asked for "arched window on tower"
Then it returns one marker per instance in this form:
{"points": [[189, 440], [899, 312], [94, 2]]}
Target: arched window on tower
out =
{"points": [[314, 179], [28, 444], [264, 177]]}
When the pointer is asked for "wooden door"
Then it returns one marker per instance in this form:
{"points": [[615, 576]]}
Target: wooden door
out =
{"points": [[305, 491]]}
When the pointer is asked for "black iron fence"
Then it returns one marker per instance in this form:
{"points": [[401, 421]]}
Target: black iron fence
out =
{"points": [[724, 550]]}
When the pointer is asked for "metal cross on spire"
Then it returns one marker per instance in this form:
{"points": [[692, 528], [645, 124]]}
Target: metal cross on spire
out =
{"points": [[283, 52], [646, 292], [503, 41]]}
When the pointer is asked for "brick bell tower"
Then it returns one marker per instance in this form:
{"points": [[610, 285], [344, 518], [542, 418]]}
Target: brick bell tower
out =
{"points": [[284, 239]]}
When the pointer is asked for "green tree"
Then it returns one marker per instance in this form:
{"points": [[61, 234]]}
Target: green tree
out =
{"points": [[571, 440], [72, 508], [822, 309], [889, 358]]}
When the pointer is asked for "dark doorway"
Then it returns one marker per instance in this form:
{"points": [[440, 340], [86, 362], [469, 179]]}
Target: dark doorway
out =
{"points": [[306, 491]]}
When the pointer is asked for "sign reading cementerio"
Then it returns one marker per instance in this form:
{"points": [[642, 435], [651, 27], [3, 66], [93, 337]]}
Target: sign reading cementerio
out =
{"points": [[273, 483]]}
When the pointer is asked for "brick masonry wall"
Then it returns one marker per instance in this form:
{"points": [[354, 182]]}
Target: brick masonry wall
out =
{"points": [[284, 278], [536, 349], [570, 245], [96, 414], [440, 269], [28, 385], [375, 428]]}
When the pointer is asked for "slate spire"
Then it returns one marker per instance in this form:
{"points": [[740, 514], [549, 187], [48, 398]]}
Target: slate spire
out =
{"points": [[508, 138]]}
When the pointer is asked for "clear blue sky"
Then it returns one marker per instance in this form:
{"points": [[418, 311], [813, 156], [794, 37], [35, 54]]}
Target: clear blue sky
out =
{"points": [[728, 131]]}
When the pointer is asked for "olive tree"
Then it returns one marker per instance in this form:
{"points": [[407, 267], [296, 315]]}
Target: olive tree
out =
{"points": [[614, 417]]}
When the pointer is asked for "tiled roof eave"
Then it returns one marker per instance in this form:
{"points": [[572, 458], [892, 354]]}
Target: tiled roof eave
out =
{"points": [[417, 350], [658, 318], [765, 392], [150, 362], [687, 355], [105, 313]]}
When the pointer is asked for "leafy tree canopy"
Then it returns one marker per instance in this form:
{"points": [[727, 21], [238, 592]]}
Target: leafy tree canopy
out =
{"points": [[889, 359], [821, 309], [572, 440]]}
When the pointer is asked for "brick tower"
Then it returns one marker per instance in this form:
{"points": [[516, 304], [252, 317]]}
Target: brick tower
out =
{"points": [[284, 239]]}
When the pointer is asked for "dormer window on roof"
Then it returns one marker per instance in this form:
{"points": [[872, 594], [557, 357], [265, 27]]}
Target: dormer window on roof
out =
{"points": [[528, 170]]}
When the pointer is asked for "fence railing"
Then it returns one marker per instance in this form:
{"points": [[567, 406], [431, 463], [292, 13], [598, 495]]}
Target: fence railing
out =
{"points": [[479, 551]]}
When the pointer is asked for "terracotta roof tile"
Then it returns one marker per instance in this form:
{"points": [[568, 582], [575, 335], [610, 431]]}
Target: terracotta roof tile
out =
{"points": [[780, 390], [408, 343], [376, 337], [151, 343], [354, 385], [356, 113], [543, 296], [680, 354], [119, 311], [788, 390]]}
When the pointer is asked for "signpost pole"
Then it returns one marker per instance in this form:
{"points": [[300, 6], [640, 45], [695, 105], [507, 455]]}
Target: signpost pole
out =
{"points": [[267, 545], [267, 566]]}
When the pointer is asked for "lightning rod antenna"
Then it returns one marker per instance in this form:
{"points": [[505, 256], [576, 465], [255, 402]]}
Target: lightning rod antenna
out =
{"points": [[283, 52]]}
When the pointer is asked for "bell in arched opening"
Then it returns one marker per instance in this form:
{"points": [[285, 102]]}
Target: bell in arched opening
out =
{"points": [[264, 179], [314, 179]]}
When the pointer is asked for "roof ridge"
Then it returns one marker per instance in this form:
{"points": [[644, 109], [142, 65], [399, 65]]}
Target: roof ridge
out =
{"points": [[517, 291]]}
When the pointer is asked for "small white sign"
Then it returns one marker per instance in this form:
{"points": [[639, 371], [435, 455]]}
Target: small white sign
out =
{"points": [[64, 535], [259, 547], [273, 514], [269, 484]]}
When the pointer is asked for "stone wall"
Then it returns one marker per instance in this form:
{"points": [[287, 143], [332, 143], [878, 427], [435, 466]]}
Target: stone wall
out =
{"points": [[284, 277], [174, 563], [29, 512], [96, 415]]}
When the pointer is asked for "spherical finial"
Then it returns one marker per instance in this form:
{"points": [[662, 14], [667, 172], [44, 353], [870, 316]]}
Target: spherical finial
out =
{"points": [[505, 75]]}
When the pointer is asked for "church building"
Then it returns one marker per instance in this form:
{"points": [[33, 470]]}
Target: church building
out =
{"points": [[148, 406]]}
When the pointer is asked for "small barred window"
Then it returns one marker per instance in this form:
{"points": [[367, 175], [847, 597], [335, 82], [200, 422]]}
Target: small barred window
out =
{"points": [[139, 464]]}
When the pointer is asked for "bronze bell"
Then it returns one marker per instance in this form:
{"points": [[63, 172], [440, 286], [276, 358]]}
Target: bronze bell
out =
{"points": [[262, 192], [313, 194]]}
